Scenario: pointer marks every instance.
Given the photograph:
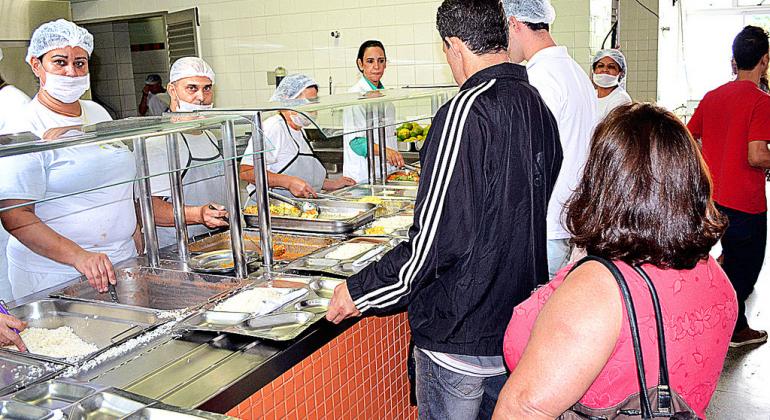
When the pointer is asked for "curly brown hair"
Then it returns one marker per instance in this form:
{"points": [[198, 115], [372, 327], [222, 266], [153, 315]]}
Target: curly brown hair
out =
{"points": [[645, 195]]}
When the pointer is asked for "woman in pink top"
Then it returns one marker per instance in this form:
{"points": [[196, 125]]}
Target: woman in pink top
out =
{"points": [[645, 198]]}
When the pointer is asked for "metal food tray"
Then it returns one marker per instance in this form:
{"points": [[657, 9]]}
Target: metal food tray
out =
{"points": [[296, 245], [102, 324], [105, 405], [19, 371], [56, 394], [20, 411], [398, 233], [157, 288], [360, 214], [282, 324], [386, 192], [318, 263]]}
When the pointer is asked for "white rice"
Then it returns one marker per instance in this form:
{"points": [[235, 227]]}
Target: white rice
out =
{"points": [[61, 342], [260, 300], [348, 251], [394, 222]]}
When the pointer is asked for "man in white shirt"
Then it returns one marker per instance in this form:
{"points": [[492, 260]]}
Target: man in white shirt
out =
{"points": [[155, 101], [568, 93]]}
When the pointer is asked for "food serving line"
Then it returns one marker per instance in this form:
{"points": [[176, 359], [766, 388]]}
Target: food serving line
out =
{"points": [[204, 323]]}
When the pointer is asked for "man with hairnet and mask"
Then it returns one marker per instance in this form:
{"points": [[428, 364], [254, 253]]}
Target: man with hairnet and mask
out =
{"points": [[570, 96], [190, 88], [609, 77], [292, 166], [155, 100], [93, 224]]}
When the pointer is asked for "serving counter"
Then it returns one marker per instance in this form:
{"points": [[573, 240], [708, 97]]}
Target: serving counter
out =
{"points": [[163, 335]]}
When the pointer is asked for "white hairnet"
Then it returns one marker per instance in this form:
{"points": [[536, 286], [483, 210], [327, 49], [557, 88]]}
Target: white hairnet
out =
{"points": [[531, 11], [59, 34], [618, 57], [292, 86], [190, 67]]}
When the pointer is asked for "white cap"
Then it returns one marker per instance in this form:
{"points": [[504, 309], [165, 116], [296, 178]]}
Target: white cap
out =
{"points": [[58, 34], [292, 86], [190, 67], [531, 11]]}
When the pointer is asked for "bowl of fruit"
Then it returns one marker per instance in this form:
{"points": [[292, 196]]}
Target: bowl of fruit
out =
{"points": [[411, 136]]}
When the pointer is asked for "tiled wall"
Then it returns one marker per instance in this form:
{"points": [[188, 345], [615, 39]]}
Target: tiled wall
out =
{"points": [[245, 39], [359, 375], [112, 78], [17, 72], [639, 42], [145, 63]]}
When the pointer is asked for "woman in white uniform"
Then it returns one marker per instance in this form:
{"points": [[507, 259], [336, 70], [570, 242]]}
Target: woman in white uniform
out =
{"points": [[292, 166], [11, 99], [609, 77], [371, 62], [57, 240], [191, 88]]}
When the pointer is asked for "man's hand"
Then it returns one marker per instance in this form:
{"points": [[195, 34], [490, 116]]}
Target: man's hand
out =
{"points": [[7, 335], [336, 184], [97, 268], [213, 216], [394, 158], [146, 89], [341, 306], [298, 187]]}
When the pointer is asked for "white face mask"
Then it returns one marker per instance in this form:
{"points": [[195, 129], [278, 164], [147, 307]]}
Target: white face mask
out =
{"points": [[66, 89], [606, 80], [188, 107], [301, 120]]}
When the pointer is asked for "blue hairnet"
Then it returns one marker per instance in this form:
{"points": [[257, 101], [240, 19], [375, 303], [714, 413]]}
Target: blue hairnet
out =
{"points": [[291, 87], [59, 34], [531, 11]]}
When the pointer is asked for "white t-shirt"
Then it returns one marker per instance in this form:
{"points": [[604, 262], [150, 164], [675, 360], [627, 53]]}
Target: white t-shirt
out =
{"points": [[571, 97], [98, 221], [157, 104], [616, 98], [202, 180], [11, 99]]}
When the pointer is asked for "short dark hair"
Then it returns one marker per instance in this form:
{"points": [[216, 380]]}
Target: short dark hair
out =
{"points": [[749, 46], [645, 195], [480, 24], [538, 26]]}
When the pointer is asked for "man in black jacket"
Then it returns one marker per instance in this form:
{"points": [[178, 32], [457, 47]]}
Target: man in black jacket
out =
{"points": [[478, 243]]}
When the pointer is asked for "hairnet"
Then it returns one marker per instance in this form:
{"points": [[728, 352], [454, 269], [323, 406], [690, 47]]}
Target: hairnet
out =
{"points": [[292, 86], [59, 34], [153, 79], [532, 11], [618, 57], [190, 67]]}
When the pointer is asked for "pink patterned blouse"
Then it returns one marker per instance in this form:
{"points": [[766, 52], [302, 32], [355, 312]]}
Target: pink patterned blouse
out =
{"points": [[699, 311]]}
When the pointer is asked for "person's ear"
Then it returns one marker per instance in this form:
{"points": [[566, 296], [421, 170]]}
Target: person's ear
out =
{"points": [[456, 47], [513, 25], [37, 67], [360, 65]]}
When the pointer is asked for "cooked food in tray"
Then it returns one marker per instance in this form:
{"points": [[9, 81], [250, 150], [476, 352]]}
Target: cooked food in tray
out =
{"points": [[259, 300], [60, 342], [349, 251], [404, 176], [285, 210], [387, 225]]}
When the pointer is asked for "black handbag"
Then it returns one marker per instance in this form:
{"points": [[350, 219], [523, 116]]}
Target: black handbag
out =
{"points": [[656, 402]]}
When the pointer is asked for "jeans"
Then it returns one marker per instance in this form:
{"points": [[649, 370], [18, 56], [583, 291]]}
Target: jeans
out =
{"points": [[743, 249], [443, 394], [558, 251]]}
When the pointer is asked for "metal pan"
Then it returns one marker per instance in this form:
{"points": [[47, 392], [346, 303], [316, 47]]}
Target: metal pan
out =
{"points": [[316, 306], [386, 192], [20, 411], [353, 215], [104, 406], [218, 262], [54, 394], [19, 371], [278, 327], [319, 262], [213, 320], [293, 246]]}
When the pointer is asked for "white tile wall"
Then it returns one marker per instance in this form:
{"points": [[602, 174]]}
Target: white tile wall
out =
{"points": [[244, 39], [639, 42]]}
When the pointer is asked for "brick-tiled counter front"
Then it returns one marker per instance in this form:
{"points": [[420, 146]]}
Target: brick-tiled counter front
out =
{"points": [[360, 374]]}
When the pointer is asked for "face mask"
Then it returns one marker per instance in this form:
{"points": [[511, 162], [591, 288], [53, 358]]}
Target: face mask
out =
{"points": [[606, 80], [301, 120], [66, 89], [188, 107]]}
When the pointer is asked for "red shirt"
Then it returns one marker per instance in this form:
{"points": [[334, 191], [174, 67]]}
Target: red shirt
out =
{"points": [[727, 120], [699, 311]]}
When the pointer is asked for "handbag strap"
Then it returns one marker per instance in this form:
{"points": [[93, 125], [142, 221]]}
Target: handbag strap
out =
{"points": [[646, 406], [664, 384]]}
